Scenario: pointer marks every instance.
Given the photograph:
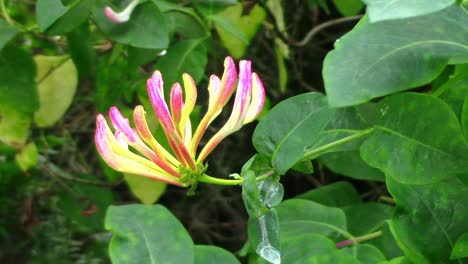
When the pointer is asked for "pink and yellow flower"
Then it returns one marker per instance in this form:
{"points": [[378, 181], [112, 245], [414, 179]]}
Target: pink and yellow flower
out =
{"points": [[185, 157]]}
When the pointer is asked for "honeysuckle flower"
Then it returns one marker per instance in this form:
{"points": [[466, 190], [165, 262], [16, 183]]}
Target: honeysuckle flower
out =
{"points": [[180, 165], [124, 15]]}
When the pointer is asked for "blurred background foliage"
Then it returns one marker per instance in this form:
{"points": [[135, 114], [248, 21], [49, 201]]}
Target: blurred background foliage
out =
{"points": [[61, 62]]}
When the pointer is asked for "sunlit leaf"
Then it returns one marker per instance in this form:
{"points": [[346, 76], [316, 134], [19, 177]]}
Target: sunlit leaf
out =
{"points": [[27, 157], [213, 255]]}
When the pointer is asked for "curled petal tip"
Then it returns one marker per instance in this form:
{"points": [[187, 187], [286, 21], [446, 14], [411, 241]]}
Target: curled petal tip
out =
{"points": [[120, 123], [258, 99], [120, 17]]}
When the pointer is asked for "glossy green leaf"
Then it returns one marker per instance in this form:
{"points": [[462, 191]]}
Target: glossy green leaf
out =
{"points": [[147, 234], [27, 157], [54, 18], [251, 196], [18, 98], [146, 28], [237, 30], [417, 140], [290, 128], [57, 80], [379, 10], [298, 217], [188, 56], [7, 32], [145, 189], [213, 255], [348, 7], [365, 253], [387, 243], [350, 163], [398, 260], [460, 249], [337, 194], [429, 218], [381, 53]]}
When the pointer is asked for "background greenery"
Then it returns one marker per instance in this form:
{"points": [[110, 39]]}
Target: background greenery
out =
{"points": [[365, 161]]}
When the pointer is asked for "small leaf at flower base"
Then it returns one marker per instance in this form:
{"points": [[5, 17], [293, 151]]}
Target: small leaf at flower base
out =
{"points": [[27, 157], [418, 139], [188, 56], [383, 52], [460, 249], [379, 10], [429, 218], [146, 28], [237, 30], [18, 98], [337, 194], [146, 190], [147, 234], [290, 128], [57, 80], [251, 196], [7, 32], [213, 255], [348, 7], [264, 236], [350, 164], [298, 217]]}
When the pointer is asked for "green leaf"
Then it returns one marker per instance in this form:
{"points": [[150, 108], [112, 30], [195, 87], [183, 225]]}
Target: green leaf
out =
{"points": [[454, 91], [213, 255], [237, 30], [398, 260], [418, 140], [146, 28], [7, 32], [365, 253], [81, 51], [27, 157], [337, 194], [87, 207], [313, 249], [264, 235], [147, 234], [348, 7], [365, 218], [188, 56], [460, 249], [464, 117], [429, 218], [251, 196], [379, 10], [54, 18], [146, 190], [298, 217], [381, 53], [18, 98], [57, 79], [350, 163], [290, 128]]}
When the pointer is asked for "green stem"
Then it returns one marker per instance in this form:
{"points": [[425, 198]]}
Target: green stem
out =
{"points": [[5, 13], [308, 155], [208, 179], [359, 239]]}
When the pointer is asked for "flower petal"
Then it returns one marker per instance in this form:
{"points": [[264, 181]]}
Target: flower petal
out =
{"points": [[258, 99], [177, 104], [123, 16]]}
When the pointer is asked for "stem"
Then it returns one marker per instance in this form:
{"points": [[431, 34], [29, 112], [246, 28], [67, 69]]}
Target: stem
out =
{"points": [[387, 199], [359, 239], [5, 13], [308, 155], [208, 179]]}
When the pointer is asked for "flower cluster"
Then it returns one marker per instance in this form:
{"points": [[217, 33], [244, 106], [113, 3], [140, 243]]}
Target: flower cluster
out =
{"points": [[174, 165]]}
